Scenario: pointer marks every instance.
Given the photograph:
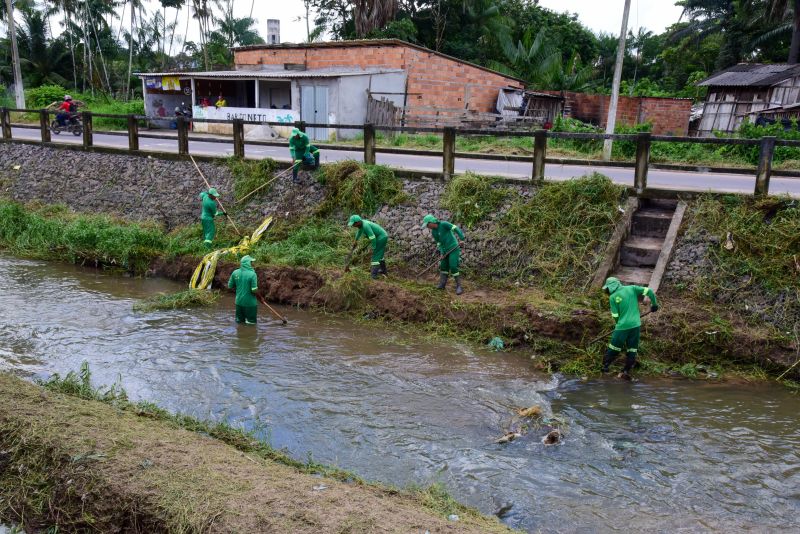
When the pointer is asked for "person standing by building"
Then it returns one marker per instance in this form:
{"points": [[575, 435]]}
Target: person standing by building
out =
{"points": [[221, 102], [624, 303], [302, 151], [209, 212], [447, 236], [377, 237], [244, 281]]}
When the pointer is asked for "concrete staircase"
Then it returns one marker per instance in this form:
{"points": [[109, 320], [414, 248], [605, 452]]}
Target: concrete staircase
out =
{"points": [[640, 251]]}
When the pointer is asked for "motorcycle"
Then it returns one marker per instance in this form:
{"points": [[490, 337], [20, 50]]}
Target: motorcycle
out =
{"points": [[72, 124]]}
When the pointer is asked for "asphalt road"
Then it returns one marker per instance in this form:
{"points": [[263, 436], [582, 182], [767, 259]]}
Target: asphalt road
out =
{"points": [[662, 179]]}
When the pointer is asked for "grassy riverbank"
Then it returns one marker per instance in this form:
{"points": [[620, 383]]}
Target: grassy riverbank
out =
{"points": [[76, 458], [528, 282]]}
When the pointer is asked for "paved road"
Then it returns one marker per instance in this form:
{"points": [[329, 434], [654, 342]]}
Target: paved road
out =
{"points": [[663, 179]]}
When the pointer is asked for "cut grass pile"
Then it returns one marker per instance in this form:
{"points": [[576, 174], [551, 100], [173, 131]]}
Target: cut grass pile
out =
{"points": [[557, 237], [312, 242], [472, 198], [189, 298], [353, 187]]}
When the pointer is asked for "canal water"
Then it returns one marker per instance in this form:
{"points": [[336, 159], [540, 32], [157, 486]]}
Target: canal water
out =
{"points": [[667, 456]]}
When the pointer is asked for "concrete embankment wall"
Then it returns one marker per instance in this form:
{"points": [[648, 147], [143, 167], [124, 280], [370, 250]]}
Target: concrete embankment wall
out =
{"points": [[141, 188]]}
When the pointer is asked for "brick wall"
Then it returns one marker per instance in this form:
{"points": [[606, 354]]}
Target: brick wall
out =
{"points": [[446, 86], [668, 115]]}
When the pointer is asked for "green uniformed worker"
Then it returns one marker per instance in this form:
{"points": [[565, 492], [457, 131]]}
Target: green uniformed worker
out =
{"points": [[447, 237], [210, 211], [303, 152], [245, 281], [378, 238], [624, 303]]}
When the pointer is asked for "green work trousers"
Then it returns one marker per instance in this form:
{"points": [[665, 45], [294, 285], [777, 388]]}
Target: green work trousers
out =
{"points": [[629, 339], [246, 314], [379, 250], [449, 264], [209, 231]]}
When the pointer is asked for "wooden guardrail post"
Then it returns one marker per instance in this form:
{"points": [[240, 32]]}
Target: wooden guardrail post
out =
{"points": [[643, 142], [43, 124], [238, 138], [5, 120], [765, 155], [369, 144], [133, 133], [183, 136], [539, 154], [449, 152], [88, 136]]}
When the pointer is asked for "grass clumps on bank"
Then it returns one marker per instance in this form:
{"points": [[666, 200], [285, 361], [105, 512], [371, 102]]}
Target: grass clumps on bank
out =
{"points": [[189, 298], [472, 198], [353, 187], [313, 242], [558, 236], [249, 175]]}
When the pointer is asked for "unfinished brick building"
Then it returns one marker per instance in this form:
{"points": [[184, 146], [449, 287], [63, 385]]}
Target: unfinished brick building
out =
{"points": [[424, 86]]}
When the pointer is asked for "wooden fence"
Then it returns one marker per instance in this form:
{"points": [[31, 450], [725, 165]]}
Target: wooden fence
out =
{"points": [[538, 159]]}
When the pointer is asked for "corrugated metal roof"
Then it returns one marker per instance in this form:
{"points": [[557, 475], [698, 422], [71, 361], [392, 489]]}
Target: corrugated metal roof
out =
{"points": [[268, 74], [752, 75], [370, 43]]}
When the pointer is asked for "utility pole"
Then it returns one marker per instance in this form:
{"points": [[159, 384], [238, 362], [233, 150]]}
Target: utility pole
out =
{"points": [[12, 31], [612, 108]]}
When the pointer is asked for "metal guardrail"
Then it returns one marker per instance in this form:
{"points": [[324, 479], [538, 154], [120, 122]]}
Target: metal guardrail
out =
{"points": [[641, 165]]}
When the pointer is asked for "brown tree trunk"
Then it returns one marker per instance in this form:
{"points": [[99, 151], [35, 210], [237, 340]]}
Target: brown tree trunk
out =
{"points": [[794, 48]]}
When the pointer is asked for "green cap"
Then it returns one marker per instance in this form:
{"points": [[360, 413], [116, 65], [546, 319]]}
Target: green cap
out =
{"points": [[295, 131], [353, 219], [429, 219], [612, 284], [246, 261], [213, 192]]}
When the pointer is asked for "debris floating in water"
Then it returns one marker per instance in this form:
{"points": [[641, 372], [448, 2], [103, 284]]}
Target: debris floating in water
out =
{"points": [[496, 344], [533, 411], [190, 298], [508, 436], [552, 437]]}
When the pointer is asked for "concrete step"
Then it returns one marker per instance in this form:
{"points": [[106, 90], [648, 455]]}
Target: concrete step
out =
{"points": [[651, 222], [659, 203], [639, 251], [634, 275]]}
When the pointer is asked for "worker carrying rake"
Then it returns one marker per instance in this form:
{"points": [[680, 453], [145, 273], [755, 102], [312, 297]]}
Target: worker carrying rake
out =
{"points": [[624, 303], [209, 212], [378, 238], [447, 236], [303, 152], [244, 281]]}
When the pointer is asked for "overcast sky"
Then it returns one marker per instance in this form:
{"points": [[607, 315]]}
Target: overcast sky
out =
{"points": [[598, 15]]}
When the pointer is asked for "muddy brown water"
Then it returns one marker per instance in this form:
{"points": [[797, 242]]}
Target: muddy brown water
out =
{"points": [[667, 456]]}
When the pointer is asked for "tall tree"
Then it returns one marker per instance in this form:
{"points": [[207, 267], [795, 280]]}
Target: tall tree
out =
{"points": [[372, 15], [19, 90]]}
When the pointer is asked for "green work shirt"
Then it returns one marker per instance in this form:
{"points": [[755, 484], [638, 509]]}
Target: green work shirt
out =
{"points": [[445, 235], [298, 146], [245, 281], [624, 303], [209, 207], [371, 231]]}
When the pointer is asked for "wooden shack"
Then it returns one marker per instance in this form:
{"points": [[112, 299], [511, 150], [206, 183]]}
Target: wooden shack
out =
{"points": [[747, 90]]}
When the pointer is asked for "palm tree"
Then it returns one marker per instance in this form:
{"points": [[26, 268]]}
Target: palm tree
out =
{"points": [[203, 14], [42, 58], [782, 11], [532, 58], [371, 15], [18, 86], [177, 5]]}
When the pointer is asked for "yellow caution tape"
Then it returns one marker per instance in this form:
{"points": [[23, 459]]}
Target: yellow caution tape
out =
{"points": [[204, 273]]}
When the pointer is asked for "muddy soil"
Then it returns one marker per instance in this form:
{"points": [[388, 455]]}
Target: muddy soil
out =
{"points": [[681, 330], [109, 470]]}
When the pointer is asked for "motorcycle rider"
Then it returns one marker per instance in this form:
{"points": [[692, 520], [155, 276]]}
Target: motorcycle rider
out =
{"points": [[65, 110]]}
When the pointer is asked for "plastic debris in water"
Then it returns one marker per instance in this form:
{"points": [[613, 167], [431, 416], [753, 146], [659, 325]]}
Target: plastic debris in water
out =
{"points": [[508, 436], [453, 517], [496, 344], [552, 437], [533, 411]]}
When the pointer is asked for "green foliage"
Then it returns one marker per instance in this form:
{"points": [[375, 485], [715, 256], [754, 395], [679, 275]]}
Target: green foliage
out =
{"points": [[750, 154], [315, 242], [471, 198], [558, 236], [44, 95], [80, 385], [96, 238], [189, 298], [346, 292], [112, 107], [353, 187], [249, 175]]}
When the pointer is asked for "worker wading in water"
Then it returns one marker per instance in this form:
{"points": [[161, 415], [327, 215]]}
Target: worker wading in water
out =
{"points": [[303, 152], [377, 237], [447, 236], [624, 303], [245, 281], [210, 211]]}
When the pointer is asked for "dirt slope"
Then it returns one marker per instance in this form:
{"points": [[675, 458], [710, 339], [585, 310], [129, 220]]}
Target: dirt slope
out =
{"points": [[89, 466]]}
